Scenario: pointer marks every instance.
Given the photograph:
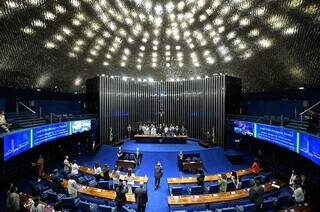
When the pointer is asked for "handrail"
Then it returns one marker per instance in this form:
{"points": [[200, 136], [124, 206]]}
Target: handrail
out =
{"points": [[28, 108], [313, 106]]}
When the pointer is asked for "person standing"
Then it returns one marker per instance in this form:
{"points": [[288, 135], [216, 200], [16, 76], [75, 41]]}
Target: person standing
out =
{"points": [[56, 181], [105, 172], [115, 175], [256, 195], [72, 187], [74, 168], [37, 206], [255, 168], [13, 200], [222, 182], [180, 161], [298, 194], [138, 156], [39, 167], [130, 180], [129, 131], [235, 179], [141, 197], [66, 165], [200, 178], [97, 171], [121, 198], [158, 172]]}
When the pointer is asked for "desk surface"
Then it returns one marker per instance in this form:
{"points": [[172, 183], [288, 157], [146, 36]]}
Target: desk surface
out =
{"points": [[160, 136], [208, 178], [137, 179], [100, 193], [215, 198]]}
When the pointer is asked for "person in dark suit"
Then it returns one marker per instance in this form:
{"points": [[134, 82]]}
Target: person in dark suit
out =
{"points": [[200, 178], [141, 197], [120, 199], [256, 194], [56, 181], [158, 172]]}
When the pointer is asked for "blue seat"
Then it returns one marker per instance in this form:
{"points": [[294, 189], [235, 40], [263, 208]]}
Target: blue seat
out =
{"points": [[176, 191], [283, 200], [246, 183], [196, 207], [229, 209], [246, 208], [215, 206], [132, 157], [230, 186], [103, 184], [82, 180], [89, 178], [92, 183], [268, 204], [88, 207], [105, 208], [195, 190], [126, 156], [212, 189], [69, 202], [266, 177]]}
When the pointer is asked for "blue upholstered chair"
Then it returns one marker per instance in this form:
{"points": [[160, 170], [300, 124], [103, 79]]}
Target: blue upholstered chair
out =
{"points": [[103, 184], [246, 208], [228, 209], [105, 208], [176, 191], [195, 190], [69, 202], [212, 189], [87, 206]]}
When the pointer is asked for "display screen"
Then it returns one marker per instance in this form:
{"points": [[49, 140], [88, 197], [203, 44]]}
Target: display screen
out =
{"points": [[277, 135], [80, 126], [14, 144], [244, 127], [50, 132], [310, 147]]}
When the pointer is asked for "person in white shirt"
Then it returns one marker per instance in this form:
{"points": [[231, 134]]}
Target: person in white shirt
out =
{"points": [[74, 168], [153, 130], [3, 123], [166, 129], [298, 194], [66, 165], [72, 187], [37, 206], [115, 175], [97, 171], [130, 180], [147, 130]]}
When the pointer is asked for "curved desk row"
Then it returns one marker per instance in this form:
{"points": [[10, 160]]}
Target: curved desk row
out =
{"points": [[208, 178], [220, 197], [137, 179], [100, 193]]}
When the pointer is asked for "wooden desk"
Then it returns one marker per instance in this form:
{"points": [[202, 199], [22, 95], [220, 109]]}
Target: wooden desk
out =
{"points": [[208, 178], [192, 166], [126, 164], [137, 179], [216, 198], [100, 193], [161, 139]]}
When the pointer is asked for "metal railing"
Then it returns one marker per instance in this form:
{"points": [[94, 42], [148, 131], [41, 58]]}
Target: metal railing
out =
{"points": [[25, 106], [307, 110]]}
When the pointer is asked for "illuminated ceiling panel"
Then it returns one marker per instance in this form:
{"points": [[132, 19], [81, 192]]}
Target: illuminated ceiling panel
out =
{"points": [[57, 44]]}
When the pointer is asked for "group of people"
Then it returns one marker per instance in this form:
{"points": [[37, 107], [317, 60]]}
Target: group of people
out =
{"points": [[161, 129], [137, 155]]}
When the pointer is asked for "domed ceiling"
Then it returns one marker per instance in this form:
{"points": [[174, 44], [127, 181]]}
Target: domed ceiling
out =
{"points": [[58, 44]]}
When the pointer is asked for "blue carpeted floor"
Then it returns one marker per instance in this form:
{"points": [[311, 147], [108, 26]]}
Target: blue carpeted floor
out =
{"points": [[214, 162]]}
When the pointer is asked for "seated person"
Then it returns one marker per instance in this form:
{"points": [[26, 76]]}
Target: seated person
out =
{"points": [[183, 130], [115, 175], [153, 130], [165, 130], [120, 154], [75, 168], [3, 123]]}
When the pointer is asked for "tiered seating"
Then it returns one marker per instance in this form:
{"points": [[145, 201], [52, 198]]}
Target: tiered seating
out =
{"points": [[24, 120]]}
